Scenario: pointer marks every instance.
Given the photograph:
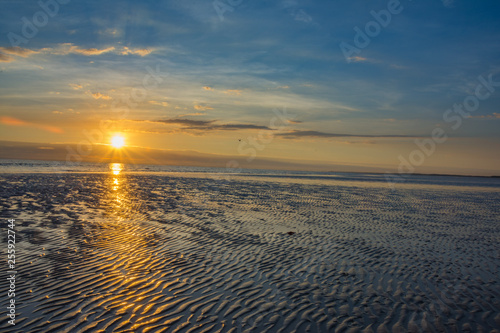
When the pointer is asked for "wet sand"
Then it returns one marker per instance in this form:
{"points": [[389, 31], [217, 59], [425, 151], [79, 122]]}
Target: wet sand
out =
{"points": [[157, 253]]}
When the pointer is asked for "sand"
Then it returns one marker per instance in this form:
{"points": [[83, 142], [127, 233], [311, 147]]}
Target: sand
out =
{"points": [[174, 253]]}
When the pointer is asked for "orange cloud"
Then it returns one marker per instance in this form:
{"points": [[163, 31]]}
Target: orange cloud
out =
{"points": [[358, 59], [158, 103], [10, 121], [202, 107], [18, 51], [141, 52], [93, 51], [98, 95], [5, 58], [75, 86], [70, 48], [6, 53], [228, 91]]}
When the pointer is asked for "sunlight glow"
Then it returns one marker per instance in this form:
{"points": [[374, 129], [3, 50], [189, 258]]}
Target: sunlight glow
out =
{"points": [[118, 141]]}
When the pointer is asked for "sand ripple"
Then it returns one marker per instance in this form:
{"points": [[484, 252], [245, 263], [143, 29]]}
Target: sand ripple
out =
{"points": [[131, 253]]}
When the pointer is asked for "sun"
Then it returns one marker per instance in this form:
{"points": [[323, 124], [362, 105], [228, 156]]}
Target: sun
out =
{"points": [[118, 141]]}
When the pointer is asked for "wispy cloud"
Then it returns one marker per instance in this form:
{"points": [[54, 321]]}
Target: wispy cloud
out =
{"points": [[192, 114], [5, 58], [358, 59], [112, 32], [70, 48], [75, 86], [295, 134], [232, 92], [495, 115], [18, 51], [141, 52], [448, 3], [210, 125], [7, 53], [202, 107], [227, 91], [158, 103], [93, 51], [206, 125], [298, 14], [98, 95], [239, 127], [10, 121], [185, 122]]}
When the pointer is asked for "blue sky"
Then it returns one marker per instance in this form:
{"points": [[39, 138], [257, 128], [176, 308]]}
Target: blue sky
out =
{"points": [[234, 69]]}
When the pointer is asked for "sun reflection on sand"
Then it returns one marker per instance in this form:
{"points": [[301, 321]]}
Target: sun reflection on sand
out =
{"points": [[116, 169]]}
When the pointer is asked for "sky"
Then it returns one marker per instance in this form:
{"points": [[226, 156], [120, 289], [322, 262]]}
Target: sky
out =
{"points": [[407, 86]]}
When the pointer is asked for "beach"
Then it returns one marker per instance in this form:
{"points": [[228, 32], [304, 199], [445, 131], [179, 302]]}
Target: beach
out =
{"points": [[181, 252]]}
